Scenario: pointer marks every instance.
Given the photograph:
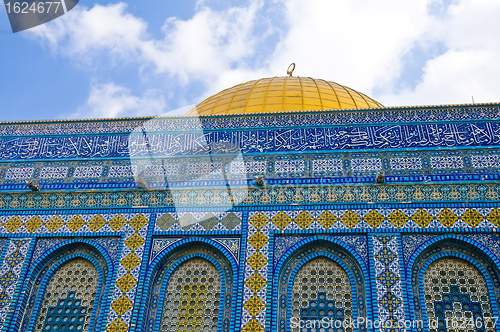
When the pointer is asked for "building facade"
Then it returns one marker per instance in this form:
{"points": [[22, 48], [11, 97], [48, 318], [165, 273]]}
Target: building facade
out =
{"points": [[276, 205]]}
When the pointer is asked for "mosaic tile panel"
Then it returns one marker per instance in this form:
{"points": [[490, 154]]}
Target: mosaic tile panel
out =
{"points": [[338, 167], [411, 243], [447, 162], [161, 244], [10, 271], [486, 161], [232, 244], [426, 114], [328, 165], [198, 221], [388, 282], [88, 172], [53, 172], [406, 163], [269, 140], [248, 167], [19, 173], [370, 164], [289, 166], [135, 228], [122, 171], [256, 196]]}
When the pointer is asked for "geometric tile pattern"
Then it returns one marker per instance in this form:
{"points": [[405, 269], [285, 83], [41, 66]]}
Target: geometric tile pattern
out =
{"points": [[196, 285], [124, 293], [444, 114], [448, 282], [470, 192], [198, 221], [232, 244], [133, 225], [9, 273], [19, 173], [447, 162], [406, 163], [159, 245], [66, 307], [388, 282], [255, 285]]}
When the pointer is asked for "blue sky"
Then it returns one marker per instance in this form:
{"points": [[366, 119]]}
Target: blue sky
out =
{"points": [[123, 58]]}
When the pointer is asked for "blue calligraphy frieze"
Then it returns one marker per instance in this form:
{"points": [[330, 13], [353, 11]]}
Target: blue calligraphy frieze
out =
{"points": [[334, 138]]}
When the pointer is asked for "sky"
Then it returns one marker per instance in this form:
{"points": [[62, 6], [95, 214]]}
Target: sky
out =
{"points": [[111, 59]]}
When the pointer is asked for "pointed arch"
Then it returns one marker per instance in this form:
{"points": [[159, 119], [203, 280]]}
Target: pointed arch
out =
{"points": [[170, 271], [54, 284], [315, 258], [459, 254]]}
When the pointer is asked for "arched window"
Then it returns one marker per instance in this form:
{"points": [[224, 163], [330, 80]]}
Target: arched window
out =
{"points": [[453, 287], [322, 289], [69, 298], [191, 290], [193, 298], [318, 282], [65, 291], [456, 295]]}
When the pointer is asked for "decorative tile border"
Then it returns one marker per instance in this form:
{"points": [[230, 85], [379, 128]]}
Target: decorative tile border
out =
{"points": [[318, 168], [275, 195], [182, 222], [389, 288], [397, 115], [10, 271], [376, 137]]}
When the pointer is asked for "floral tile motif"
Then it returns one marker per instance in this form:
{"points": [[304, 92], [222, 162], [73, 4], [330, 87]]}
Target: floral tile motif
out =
{"points": [[388, 281], [9, 272]]}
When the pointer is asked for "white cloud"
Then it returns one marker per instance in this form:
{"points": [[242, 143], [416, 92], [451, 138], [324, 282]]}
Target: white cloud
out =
{"points": [[82, 33], [470, 65], [205, 49], [358, 43], [201, 48], [108, 100], [362, 44]]}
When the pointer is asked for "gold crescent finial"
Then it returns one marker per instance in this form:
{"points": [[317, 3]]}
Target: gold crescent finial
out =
{"points": [[290, 71]]}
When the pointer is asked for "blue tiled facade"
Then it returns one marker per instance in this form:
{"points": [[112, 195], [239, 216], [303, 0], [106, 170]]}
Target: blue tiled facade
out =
{"points": [[439, 203]]}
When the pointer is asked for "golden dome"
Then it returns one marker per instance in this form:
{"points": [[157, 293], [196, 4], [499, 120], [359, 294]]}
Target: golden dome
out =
{"points": [[282, 94]]}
